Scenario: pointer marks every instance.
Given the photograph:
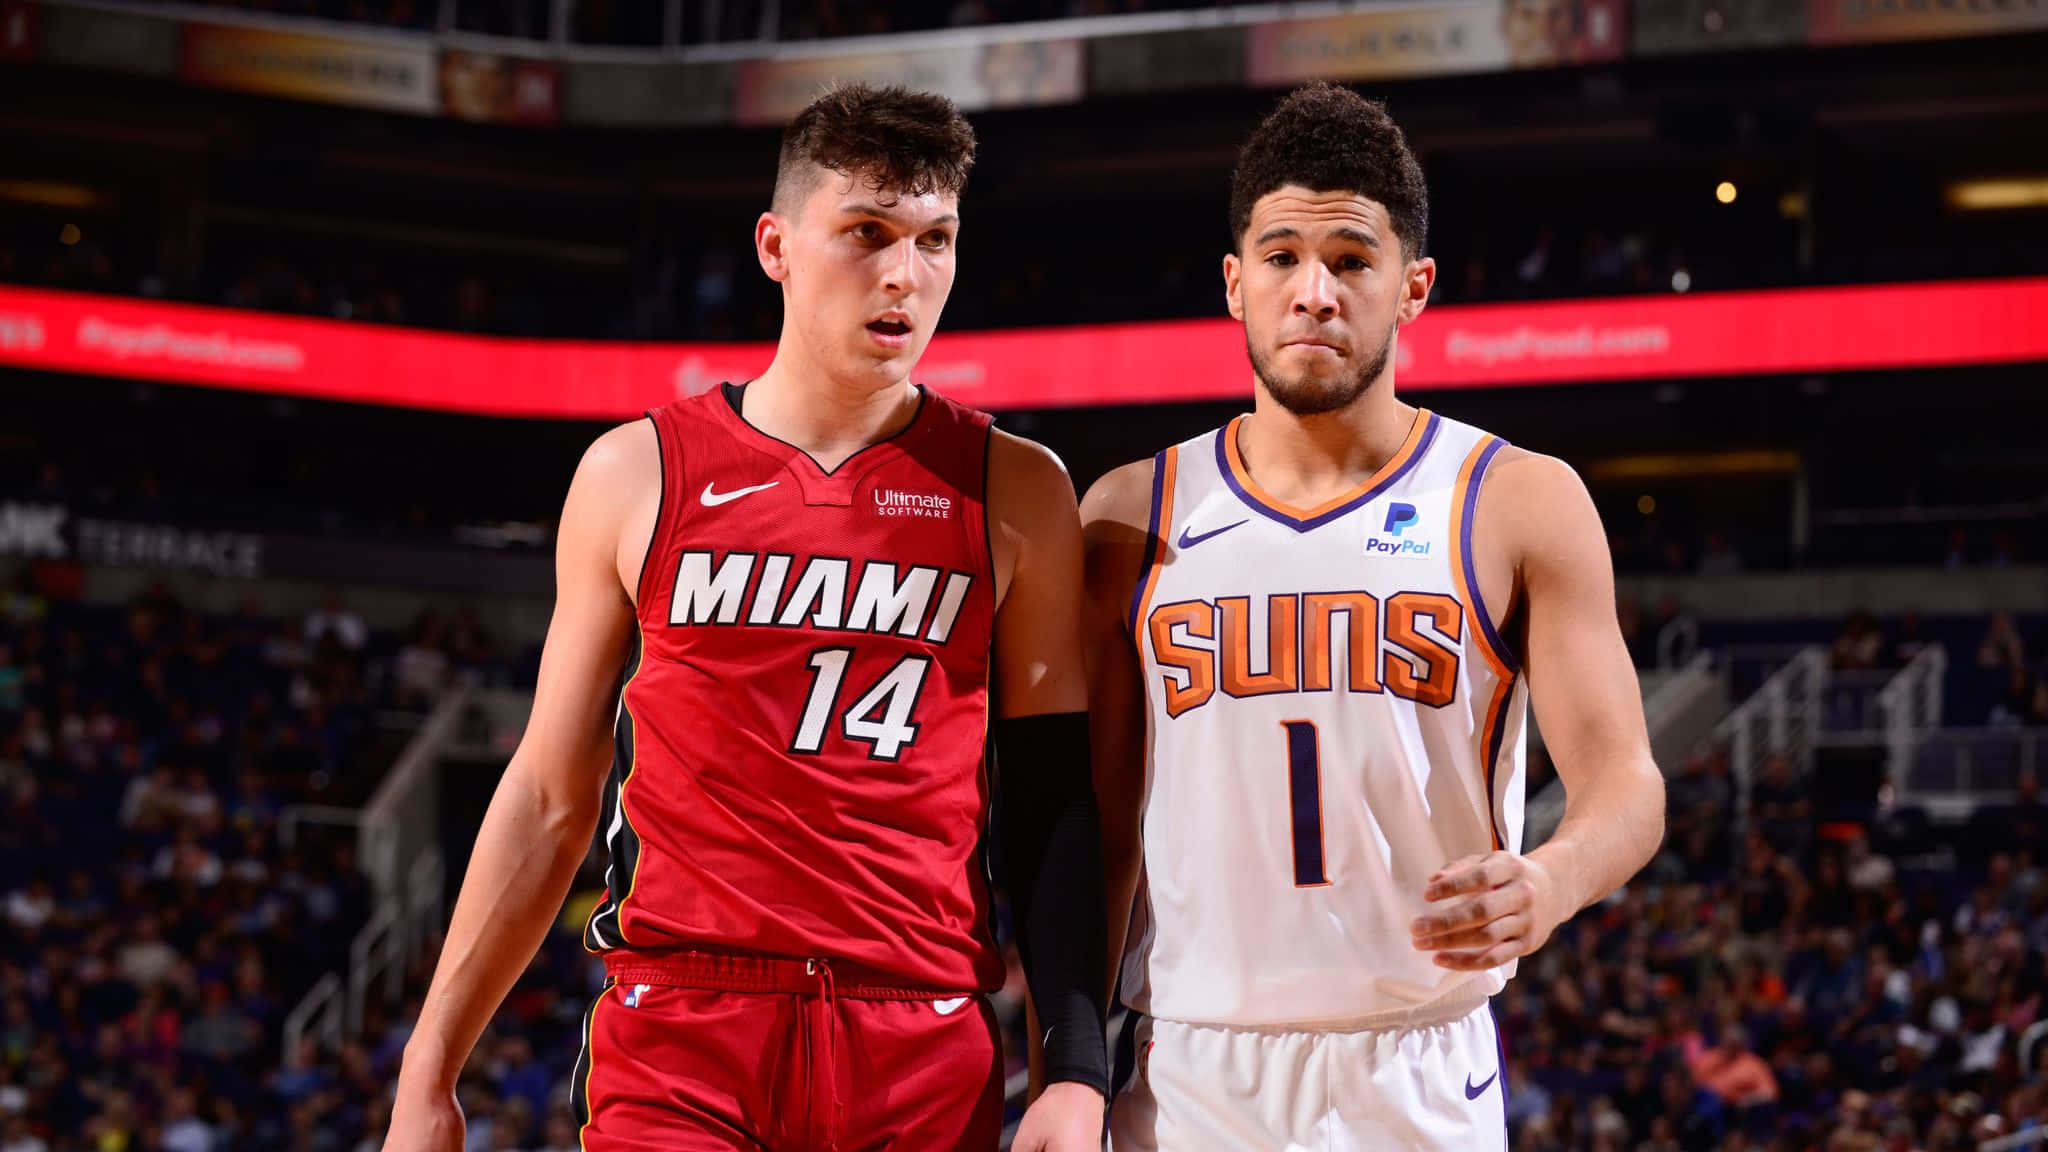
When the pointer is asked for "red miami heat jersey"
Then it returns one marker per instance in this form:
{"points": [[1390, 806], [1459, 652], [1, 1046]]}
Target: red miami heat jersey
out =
{"points": [[801, 732]]}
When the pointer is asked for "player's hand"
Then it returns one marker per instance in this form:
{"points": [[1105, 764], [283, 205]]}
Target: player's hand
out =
{"points": [[1487, 910], [1066, 1117], [424, 1121]]}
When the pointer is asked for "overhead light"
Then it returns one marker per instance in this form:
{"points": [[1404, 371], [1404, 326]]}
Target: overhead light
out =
{"points": [[1646, 503], [1667, 466], [69, 236], [1994, 195], [50, 194], [1725, 192]]}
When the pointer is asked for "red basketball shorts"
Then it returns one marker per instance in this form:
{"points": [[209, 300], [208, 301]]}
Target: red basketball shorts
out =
{"points": [[706, 1051]]}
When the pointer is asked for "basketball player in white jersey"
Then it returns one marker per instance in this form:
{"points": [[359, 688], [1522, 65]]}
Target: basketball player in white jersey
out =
{"points": [[1315, 631]]}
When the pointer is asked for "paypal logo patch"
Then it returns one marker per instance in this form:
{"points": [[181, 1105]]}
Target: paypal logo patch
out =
{"points": [[1389, 541]]}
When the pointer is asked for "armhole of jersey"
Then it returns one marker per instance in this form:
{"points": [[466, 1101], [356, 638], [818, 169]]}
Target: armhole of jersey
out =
{"points": [[1158, 522], [988, 528], [1464, 568], [657, 536]]}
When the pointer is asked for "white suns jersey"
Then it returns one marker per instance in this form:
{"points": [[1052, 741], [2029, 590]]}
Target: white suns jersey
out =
{"points": [[1332, 717]]}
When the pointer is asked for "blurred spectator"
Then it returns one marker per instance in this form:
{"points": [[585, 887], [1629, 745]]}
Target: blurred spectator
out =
{"points": [[1730, 1070], [1958, 555], [422, 669], [1718, 557], [2001, 648], [1908, 641], [1859, 645], [333, 618]]}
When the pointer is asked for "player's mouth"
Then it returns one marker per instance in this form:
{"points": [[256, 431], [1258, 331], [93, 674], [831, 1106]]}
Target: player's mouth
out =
{"points": [[891, 330], [1315, 345]]}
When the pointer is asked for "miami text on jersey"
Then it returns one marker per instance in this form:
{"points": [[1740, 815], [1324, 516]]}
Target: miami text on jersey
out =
{"points": [[887, 597]]}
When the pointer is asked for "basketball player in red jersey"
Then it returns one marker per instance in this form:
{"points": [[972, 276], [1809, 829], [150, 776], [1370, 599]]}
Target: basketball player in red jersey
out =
{"points": [[830, 590]]}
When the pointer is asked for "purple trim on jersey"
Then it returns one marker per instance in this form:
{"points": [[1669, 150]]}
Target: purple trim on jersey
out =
{"points": [[1151, 539], [1349, 506], [1500, 1048], [1465, 550]]}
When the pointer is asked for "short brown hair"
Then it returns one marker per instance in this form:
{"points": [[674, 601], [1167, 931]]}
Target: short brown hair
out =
{"points": [[1327, 138], [895, 139]]}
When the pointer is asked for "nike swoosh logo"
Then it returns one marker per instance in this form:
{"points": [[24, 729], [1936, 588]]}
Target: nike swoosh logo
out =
{"points": [[712, 499], [948, 1007], [1189, 540], [1472, 1092]]}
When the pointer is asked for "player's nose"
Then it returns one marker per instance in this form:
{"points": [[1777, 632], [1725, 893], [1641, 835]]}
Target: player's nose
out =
{"points": [[1315, 291], [899, 267]]}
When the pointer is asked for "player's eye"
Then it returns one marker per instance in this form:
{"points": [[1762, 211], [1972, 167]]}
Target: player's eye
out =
{"points": [[1281, 259], [937, 241], [1352, 264], [867, 232]]}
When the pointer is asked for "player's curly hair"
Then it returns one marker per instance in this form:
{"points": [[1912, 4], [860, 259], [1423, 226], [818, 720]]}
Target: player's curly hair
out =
{"points": [[894, 139], [1327, 138]]}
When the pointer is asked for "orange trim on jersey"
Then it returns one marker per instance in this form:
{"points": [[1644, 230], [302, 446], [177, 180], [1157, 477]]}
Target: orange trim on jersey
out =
{"points": [[1469, 595], [1395, 463], [1162, 522], [1489, 752]]}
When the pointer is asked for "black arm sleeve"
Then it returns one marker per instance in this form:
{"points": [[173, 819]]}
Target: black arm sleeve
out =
{"points": [[1051, 836]]}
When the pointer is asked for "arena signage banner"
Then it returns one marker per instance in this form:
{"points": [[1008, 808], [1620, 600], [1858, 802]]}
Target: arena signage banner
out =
{"points": [[488, 87], [1434, 38], [1855, 21], [1460, 346], [992, 73], [395, 73], [43, 531], [19, 24]]}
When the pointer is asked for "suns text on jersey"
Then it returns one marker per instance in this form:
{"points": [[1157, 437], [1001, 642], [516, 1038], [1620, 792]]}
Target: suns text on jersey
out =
{"points": [[1407, 643]]}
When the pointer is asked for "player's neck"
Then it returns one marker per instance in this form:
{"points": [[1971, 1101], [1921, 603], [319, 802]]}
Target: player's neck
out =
{"points": [[830, 420], [1307, 459]]}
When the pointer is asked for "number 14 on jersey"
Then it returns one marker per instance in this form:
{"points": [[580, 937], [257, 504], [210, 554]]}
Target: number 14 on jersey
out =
{"points": [[883, 717]]}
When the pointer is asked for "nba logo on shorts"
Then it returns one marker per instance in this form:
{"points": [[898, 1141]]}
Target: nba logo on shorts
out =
{"points": [[633, 997]]}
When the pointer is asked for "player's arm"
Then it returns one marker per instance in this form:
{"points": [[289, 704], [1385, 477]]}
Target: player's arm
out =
{"points": [[1584, 688], [1050, 831], [1115, 519], [545, 809]]}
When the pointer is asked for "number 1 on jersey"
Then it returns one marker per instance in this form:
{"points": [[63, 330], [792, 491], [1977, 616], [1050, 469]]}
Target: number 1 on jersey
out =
{"points": [[1305, 801]]}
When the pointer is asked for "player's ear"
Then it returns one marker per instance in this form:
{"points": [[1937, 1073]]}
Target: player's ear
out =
{"points": [[771, 236], [1419, 278], [1233, 295]]}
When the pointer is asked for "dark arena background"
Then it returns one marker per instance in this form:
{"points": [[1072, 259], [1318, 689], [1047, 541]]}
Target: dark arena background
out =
{"points": [[308, 308]]}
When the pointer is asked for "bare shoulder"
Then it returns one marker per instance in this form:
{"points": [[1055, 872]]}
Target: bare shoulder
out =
{"points": [[1121, 498], [1027, 481], [1528, 478], [614, 502], [1014, 456], [624, 455], [1540, 508], [1528, 493]]}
